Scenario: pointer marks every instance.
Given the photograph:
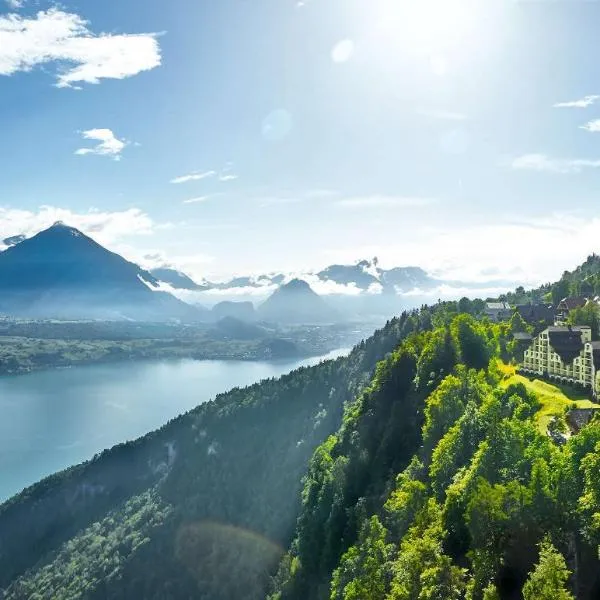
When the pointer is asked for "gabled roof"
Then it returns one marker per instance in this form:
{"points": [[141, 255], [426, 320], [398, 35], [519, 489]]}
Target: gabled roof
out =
{"points": [[567, 342], [572, 302], [536, 312]]}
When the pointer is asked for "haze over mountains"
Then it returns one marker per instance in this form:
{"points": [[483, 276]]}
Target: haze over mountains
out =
{"points": [[364, 276], [62, 273]]}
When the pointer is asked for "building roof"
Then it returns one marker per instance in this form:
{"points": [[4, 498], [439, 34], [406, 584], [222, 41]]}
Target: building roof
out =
{"points": [[497, 305], [567, 342], [536, 312], [572, 302]]}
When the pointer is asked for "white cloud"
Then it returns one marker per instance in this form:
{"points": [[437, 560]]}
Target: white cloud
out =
{"points": [[15, 3], [542, 162], [109, 144], [592, 126], [485, 256], [581, 103], [229, 177], [105, 227], [382, 201], [196, 176], [61, 38], [444, 115]]}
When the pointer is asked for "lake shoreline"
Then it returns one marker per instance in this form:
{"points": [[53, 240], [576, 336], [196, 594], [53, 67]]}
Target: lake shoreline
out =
{"points": [[56, 418], [111, 360]]}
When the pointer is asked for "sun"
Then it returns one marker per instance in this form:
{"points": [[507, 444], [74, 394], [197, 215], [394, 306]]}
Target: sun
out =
{"points": [[425, 25]]}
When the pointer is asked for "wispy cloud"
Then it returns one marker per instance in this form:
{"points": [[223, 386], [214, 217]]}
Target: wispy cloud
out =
{"points": [[196, 200], [384, 201], [15, 3], [224, 175], [109, 144], [445, 115], [196, 176], [581, 103], [542, 162], [592, 126], [58, 38]]}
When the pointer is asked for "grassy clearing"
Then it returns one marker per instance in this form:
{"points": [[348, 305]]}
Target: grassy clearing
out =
{"points": [[553, 397]]}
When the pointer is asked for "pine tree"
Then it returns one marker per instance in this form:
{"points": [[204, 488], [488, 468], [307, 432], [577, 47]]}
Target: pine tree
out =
{"points": [[548, 580]]}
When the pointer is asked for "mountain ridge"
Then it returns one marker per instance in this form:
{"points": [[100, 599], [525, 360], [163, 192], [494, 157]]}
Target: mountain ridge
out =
{"points": [[61, 272]]}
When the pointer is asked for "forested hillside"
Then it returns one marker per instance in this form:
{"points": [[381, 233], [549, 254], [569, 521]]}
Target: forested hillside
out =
{"points": [[202, 508], [582, 281], [440, 486]]}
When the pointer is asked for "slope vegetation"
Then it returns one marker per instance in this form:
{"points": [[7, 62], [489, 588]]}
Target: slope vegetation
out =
{"points": [[440, 485]]}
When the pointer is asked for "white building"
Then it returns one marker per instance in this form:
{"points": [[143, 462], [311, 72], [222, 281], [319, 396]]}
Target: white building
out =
{"points": [[565, 354]]}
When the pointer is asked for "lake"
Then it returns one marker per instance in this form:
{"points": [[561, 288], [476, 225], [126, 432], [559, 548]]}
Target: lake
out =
{"points": [[50, 420]]}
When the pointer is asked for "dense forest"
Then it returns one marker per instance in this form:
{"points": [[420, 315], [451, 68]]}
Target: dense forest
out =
{"points": [[440, 485], [582, 281], [176, 513]]}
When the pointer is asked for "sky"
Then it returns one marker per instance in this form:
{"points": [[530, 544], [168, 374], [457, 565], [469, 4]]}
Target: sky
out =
{"points": [[249, 136]]}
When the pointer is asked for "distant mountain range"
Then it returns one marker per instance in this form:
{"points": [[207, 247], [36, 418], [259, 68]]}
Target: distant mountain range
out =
{"points": [[62, 273], [363, 276]]}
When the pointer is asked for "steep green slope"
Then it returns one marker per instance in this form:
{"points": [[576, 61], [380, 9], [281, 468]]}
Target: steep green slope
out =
{"points": [[439, 485], [178, 512]]}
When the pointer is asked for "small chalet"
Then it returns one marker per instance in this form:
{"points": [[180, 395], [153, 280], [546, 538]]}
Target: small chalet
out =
{"points": [[565, 306], [534, 314]]}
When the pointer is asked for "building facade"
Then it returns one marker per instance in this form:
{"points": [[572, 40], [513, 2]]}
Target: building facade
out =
{"points": [[565, 354]]}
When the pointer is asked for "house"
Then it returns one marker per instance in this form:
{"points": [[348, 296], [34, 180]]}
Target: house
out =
{"points": [[565, 306], [565, 354], [534, 314], [497, 311]]}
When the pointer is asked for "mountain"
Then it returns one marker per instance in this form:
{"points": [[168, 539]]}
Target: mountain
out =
{"points": [[176, 279], [296, 302], [14, 240], [60, 272], [405, 279], [198, 509], [362, 275], [250, 281], [238, 310]]}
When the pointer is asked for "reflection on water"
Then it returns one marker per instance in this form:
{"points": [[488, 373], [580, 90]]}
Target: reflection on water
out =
{"points": [[54, 419]]}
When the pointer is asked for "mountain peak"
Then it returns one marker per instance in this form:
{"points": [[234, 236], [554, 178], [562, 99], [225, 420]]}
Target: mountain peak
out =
{"points": [[61, 226], [296, 285]]}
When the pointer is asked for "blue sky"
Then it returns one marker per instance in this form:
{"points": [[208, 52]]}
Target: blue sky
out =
{"points": [[244, 136]]}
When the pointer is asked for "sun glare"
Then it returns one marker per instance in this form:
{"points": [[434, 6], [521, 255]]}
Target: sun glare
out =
{"points": [[425, 25]]}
